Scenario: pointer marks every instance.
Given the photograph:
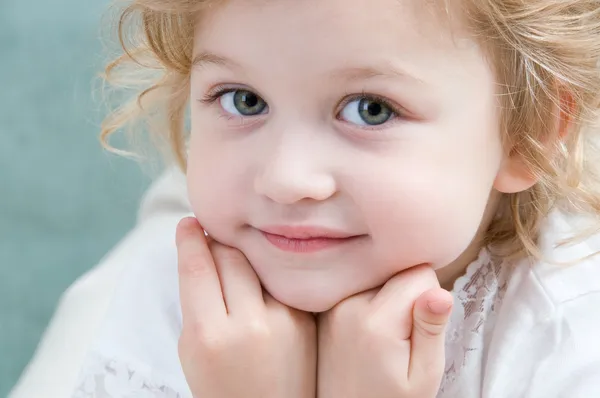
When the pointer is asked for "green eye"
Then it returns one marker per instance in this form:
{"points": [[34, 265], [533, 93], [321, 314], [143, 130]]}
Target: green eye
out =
{"points": [[367, 112], [243, 103]]}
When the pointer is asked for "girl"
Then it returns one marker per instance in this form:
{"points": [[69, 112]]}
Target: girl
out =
{"points": [[348, 158]]}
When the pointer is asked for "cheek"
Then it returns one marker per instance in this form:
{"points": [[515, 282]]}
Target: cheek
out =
{"points": [[429, 208], [210, 181], [200, 182]]}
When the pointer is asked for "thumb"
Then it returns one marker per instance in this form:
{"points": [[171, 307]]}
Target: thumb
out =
{"points": [[431, 313]]}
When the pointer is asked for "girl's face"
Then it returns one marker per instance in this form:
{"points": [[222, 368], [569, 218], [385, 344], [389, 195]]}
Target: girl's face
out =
{"points": [[337, 143]]}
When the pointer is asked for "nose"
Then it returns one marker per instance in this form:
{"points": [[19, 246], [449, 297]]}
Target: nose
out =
{"points": [[294, 168]]}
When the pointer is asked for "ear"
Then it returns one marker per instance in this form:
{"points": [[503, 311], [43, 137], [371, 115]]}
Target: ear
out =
{"points": [[514, 175], [565, 115]]}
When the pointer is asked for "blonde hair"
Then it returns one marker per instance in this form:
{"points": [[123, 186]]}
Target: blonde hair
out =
{"points": [[546, 55]]}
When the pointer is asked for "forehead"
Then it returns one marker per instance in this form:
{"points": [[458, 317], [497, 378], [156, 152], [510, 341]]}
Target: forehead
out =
{"points": [[319, 35], [410, 23]]}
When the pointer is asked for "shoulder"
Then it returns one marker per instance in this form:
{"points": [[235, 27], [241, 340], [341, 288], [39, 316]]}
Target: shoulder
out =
{"points": [[141, 324], [546, 336], [564, 285], [566, 280], [569, 273]]}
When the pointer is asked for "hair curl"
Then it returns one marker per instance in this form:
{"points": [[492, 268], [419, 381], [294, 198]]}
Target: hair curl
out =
{"points": [[545, 53]]}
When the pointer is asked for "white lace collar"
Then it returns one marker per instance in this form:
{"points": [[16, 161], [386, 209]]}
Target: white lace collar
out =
{"points": [[477, 295]]}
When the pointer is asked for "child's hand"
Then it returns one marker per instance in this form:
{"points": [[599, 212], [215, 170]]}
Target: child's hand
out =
{"points": [[386, 344], [238, 341]]}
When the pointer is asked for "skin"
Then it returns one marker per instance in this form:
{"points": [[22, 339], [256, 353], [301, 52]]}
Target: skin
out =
{"points": [[418, 189], [238, 341]]}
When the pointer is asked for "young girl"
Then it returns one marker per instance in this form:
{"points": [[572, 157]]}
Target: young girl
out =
{"points": [[349, 159]]}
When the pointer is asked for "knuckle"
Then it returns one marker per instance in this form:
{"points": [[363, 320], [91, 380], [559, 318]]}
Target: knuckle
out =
{"points": [[374, 325], [257, 329], [189, 347], [214, 343], [198, 337], [429, 330]]}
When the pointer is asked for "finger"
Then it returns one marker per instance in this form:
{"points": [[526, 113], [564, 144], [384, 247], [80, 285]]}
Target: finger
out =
{"points": [[240, 285], [199, 286], [272, 303], [395, 300], [430, 317], [351, 309]]}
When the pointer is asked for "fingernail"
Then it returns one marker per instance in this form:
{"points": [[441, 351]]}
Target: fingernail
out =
{"points": [[439, 307], [188, 222], [183, 228]]}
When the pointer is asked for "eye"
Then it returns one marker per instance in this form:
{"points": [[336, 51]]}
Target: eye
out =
{"points": [[242, 103], [367, 112]]}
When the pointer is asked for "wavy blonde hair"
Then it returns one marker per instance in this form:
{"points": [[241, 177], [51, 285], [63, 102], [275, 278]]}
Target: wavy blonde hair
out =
{"points": [[545, 53]]}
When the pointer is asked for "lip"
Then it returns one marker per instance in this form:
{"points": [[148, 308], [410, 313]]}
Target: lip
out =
{"points": [[306, 239], [306, 232]]}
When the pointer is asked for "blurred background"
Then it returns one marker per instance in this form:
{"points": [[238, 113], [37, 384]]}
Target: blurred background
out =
{"points": [[63, 201]]}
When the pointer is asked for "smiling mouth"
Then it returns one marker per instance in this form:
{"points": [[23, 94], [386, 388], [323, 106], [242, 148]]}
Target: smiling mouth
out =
{"points": [[307, 240]]}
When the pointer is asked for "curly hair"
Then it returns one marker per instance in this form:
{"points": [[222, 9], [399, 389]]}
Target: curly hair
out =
{"points": [[545, 55]]}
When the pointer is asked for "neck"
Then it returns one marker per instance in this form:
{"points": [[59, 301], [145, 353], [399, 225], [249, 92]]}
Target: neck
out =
{"points": [[449, 274]]}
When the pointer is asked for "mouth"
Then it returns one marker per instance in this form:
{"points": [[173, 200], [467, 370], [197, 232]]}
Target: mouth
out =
{"points": [[307, 239]]}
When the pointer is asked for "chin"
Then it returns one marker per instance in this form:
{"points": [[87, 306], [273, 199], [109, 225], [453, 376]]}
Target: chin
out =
{"points": [[306, 303]]}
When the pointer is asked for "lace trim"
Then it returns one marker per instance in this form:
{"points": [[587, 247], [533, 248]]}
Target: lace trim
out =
{"points": [[109, 378], [478, 295]]}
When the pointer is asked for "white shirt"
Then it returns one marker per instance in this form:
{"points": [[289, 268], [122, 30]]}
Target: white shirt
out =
{"points": [[523, 329]]}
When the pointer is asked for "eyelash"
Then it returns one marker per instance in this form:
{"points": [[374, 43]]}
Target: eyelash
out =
{"points": [[212, 96], [397, 110]]}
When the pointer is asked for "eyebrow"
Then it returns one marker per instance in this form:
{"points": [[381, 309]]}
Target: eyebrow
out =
{"points": [[354, 73], [369, 72], [207, 58]]}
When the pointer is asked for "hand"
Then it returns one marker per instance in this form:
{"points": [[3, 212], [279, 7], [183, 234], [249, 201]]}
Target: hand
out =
{"points": [[386, 344], [237, 341]]}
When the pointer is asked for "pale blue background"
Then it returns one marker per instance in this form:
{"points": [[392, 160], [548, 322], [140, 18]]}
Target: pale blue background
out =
{"points": [[63, 202]]}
